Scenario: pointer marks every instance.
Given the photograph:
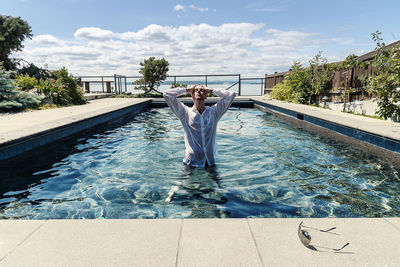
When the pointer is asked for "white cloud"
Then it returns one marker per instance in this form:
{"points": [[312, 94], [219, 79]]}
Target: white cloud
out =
{"points": [[179, 8], [153, 32], [245, 48], [46, 39], [192, 7], [93, 33]]}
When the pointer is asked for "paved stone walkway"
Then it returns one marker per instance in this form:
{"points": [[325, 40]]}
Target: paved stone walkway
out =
{"points": [[198, 242]]}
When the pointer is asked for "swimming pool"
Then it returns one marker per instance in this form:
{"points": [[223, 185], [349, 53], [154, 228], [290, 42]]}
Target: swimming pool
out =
{"points": [[266, 168]]}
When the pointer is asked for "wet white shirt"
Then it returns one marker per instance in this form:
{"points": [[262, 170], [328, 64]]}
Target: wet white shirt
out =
{"points": [[200, 129]]}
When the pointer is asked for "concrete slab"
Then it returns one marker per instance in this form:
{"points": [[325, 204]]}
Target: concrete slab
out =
{"points": [[14, 232], [217, 242], [372, 242], [380, 127], [22, 124], [394, 221], [93, 96], [99, 243]]}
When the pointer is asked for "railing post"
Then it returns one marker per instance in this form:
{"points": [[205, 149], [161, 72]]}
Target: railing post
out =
{"points": [[102, 84], [119, 85], [240, 85], [108, 86], [206, 81], [115, 83], [87, 87], [261, 93], [126, 88]]}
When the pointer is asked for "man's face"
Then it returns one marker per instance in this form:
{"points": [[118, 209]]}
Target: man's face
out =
{"points": [[199, 93]]}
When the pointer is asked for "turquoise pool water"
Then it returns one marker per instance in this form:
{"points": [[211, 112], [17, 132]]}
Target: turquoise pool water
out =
{"points": [[266, 168]]}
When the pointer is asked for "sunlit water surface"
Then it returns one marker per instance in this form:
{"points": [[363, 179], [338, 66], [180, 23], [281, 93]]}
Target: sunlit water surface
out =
{"points": [[266, 168]]}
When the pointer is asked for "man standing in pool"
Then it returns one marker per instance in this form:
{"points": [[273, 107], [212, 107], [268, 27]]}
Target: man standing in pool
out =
{"points": [[199, 122]]}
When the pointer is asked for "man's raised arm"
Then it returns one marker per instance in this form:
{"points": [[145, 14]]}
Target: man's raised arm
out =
{"points": [[171, 97], [224, 103]]}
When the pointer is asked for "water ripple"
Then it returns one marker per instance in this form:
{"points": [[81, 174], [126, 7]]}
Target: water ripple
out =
{"points": [[266, 168]]}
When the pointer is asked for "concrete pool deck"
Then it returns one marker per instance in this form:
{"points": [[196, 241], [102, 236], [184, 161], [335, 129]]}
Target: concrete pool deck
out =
{"points": [[198, 242], [376, 126], [190, 242]]}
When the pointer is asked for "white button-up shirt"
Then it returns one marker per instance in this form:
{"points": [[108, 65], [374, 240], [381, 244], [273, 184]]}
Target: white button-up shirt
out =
{"points": [[200, 129]]}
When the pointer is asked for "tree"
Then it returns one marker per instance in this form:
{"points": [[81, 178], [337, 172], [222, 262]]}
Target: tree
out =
{"points": [[320, 75], [349, 64], [299, 81], [13, 31], [154, 71], [385, 83]]}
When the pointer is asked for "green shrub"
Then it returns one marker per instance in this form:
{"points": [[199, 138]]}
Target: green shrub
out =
{"points": [[295, 87], [48, 88], [68, 91], [282, 92], [25, 82], [11, 98]]}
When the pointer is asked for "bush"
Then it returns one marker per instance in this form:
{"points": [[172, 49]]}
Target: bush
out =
{"points": [[48, 88], [11, 98], [282, 92], [67, 89], [25, 82]]}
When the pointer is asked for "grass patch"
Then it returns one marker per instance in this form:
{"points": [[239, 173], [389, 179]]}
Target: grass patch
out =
{"points": [[365, 115], [318, 106]]}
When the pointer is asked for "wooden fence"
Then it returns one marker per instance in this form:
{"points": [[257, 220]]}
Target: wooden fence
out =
{"points": [[341, 80]]}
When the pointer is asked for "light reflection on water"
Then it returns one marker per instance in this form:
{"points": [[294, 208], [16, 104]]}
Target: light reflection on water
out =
{"points": [[266, 168]]}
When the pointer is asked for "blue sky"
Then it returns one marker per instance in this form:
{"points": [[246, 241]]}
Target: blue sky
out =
{"points": [[199, 37]]}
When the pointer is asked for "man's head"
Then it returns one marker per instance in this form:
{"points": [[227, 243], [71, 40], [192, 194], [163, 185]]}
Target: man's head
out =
{"points": [[199, 93]]}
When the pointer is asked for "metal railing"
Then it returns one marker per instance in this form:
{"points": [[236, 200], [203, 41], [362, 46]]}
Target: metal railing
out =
{"points": [[254, 83], [118, 84]]}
